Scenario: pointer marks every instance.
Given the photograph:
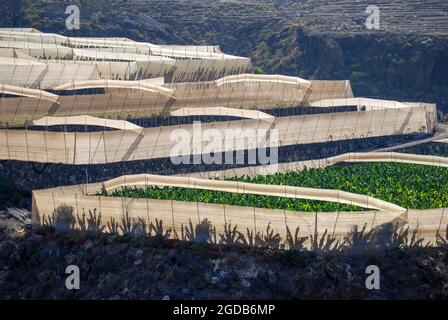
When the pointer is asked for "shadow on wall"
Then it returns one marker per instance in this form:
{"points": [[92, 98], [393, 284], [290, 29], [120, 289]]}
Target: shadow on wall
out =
{"points": [[388, 236]]}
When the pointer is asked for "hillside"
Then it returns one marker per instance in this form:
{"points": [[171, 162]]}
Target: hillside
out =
{"points": [[220, 21], [158, 268], [407, 59], [405, 67]]}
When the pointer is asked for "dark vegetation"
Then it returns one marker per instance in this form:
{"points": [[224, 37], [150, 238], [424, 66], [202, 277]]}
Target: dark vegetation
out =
{"points": [[11, 196], [233, 265], [407, 185], [404, 67]]}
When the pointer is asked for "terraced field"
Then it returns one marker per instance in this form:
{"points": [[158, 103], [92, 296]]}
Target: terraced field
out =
{"points": [[407, 185], [177, 19]]}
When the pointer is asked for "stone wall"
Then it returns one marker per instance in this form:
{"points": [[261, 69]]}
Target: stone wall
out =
{"points": [[32, 176]]}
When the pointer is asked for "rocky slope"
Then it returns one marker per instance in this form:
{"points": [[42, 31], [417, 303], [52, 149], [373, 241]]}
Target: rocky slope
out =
{"points": [[394, 66], [32, 266]]}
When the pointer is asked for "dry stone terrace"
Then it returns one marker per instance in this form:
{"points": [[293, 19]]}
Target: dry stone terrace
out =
{"points": [[406, 16], [346, 16]]}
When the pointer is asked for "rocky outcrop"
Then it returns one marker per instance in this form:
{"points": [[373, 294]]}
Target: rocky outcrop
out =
{"points": [[390, 66]]}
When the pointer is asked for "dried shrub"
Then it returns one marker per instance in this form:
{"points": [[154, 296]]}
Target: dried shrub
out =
{"points": [[64, 218]]}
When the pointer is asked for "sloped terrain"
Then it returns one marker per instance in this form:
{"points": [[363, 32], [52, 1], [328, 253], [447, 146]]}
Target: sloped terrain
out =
{"points": [[405, 59], [404, 67], [235, 24], [32, 266]]}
